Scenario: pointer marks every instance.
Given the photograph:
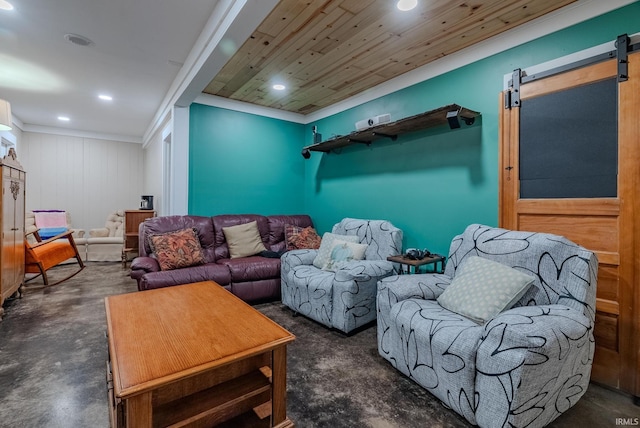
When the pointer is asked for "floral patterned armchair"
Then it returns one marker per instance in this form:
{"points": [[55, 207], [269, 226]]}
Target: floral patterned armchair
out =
{"points": [[524, 366], [342, 298]]}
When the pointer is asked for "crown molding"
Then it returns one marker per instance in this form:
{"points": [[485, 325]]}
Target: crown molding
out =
{"points": [[226, 103], [81, 134]]}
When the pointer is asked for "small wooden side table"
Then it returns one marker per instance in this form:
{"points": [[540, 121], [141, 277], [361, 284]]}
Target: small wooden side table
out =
{"points": [[416, 264]]}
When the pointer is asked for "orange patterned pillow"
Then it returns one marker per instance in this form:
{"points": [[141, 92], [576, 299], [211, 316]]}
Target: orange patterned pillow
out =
{"points": [[299, 238], [179, 249]]}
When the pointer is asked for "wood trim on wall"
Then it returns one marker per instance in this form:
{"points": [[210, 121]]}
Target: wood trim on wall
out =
{"points": [[628, 181]]}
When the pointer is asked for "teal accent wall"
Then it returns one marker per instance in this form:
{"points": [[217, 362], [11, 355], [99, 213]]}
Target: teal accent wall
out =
{"points": [[241, 163], [434, 183], [431, 183]]}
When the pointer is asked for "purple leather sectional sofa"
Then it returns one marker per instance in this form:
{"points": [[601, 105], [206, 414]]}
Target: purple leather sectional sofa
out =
{"points": [[253, 278]]}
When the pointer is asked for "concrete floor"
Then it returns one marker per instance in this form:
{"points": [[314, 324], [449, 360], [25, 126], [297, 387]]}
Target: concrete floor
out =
{"points": [[53, 353]]}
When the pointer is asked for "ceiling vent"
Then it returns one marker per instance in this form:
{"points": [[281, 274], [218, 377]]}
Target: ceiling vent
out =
{"points": [[77, 39]]}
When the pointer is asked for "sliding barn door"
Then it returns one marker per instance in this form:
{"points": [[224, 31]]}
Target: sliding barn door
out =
{"points": [[570, 165]]}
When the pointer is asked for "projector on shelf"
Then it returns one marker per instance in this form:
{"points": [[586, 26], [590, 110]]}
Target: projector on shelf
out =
{"points": [[373, 121]]}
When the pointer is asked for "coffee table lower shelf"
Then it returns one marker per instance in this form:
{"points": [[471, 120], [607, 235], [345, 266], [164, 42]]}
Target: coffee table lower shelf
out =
{"points": [[241, 402]]}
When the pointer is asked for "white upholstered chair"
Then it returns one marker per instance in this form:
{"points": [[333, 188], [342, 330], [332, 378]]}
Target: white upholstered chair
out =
{"points": [[105, 244]]}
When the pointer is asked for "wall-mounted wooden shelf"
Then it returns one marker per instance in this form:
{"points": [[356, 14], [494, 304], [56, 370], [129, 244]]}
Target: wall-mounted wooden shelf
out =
{"points": [[452, 114]]}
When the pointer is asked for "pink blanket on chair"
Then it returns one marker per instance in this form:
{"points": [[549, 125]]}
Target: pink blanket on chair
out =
{"points": [[48, 219]]}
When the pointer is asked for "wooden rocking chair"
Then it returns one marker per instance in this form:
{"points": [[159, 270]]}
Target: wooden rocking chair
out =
{"points": [[43, 255]]}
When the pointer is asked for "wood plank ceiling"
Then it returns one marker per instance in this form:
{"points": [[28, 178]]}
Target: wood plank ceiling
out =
{"points": [[326, 51]]}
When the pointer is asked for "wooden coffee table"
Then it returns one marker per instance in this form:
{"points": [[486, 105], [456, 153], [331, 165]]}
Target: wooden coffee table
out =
{"points": [[194, 355]]}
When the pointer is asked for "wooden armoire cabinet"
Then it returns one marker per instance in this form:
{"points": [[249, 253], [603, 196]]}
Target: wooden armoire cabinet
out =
{"points": [[12, 220]]}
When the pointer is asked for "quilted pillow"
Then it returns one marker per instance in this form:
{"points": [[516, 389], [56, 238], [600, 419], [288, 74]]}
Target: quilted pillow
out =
{"points": [[482, 288], [243, 240], [298, 238], [343, 252], [324, 252], [179, 249]]}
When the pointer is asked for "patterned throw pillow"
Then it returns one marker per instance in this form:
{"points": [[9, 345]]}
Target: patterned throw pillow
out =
{"points": [[298, 238], [482, 288], [324, 252], [179, 249], [343, 252]]}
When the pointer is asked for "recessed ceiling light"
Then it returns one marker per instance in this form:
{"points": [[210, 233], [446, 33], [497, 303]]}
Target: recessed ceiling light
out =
{"points": [[279, 87], [5, 5], [64, 118], [77, 39], [405, 5], [105, 97]]}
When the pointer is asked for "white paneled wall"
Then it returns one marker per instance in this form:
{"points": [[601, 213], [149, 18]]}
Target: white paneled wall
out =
{"points": [[152, 182], [87, 177]]}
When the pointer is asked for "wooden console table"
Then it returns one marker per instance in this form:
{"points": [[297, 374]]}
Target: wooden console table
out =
{"points": [[132, 220], [194, 355]]}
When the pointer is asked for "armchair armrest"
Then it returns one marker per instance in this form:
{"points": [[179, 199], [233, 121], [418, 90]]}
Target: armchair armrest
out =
{"points": [[78, 233], [533, 360], [142, 265], [295, 258], [66, 235], [363, 270], [427, 286]]}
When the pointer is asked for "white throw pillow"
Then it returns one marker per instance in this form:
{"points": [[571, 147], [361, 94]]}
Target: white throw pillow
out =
{"points": [[327, 244], [482, 288], [343, 252]]}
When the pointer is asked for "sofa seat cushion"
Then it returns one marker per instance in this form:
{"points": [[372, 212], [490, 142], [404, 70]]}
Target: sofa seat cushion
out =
{"points": [[49, 255], [252, 268], [206, 272], [105, 240], [439, 348], [257, 291]]}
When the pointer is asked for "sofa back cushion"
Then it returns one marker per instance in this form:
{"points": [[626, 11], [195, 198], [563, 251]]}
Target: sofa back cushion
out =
{"points": [[565, 273], [276, 228], [227, 220], [164, 224], [382, 237]]}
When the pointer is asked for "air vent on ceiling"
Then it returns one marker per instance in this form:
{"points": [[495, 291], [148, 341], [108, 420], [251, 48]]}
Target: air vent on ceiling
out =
{"points": [[77, 39]]}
